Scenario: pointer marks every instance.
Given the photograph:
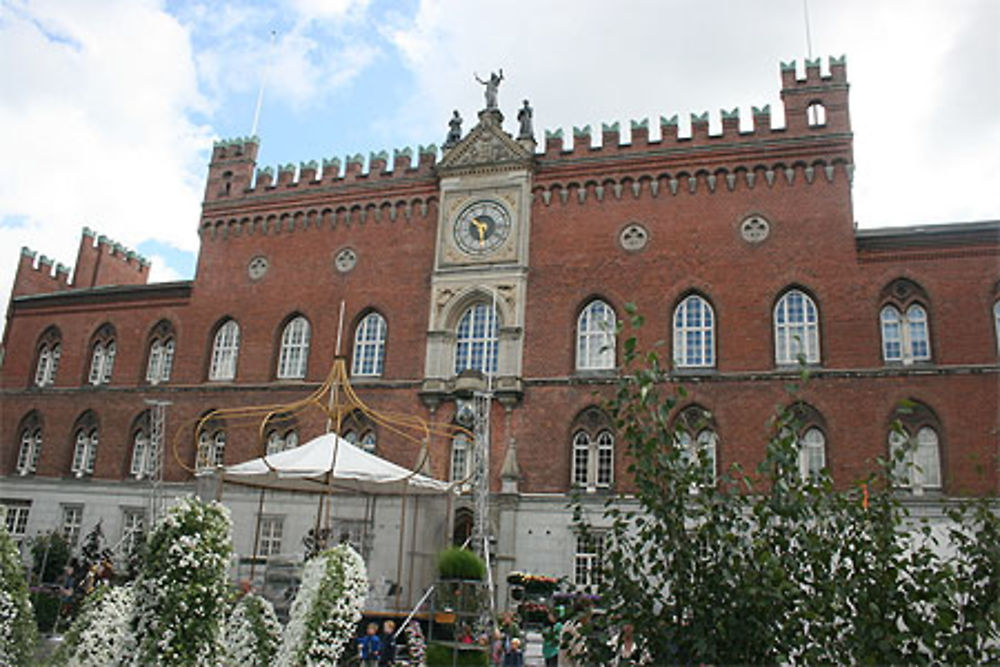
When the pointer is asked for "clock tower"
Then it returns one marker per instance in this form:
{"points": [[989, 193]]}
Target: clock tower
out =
{"points": [[481, 254]]}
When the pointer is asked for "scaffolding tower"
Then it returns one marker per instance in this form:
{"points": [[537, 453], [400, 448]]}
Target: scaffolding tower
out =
{"points": [[155, 455]]}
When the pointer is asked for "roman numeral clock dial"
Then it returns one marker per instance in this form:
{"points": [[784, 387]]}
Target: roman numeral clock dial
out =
{"points": [[482, 227]]}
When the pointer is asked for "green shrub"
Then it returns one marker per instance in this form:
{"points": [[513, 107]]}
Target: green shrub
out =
{"points": [[53, 552], [17, 623], [458, 563], [441, 655], [46, 604]]}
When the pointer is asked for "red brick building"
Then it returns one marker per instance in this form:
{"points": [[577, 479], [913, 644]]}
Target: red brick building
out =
{"points": [[739, 248]]}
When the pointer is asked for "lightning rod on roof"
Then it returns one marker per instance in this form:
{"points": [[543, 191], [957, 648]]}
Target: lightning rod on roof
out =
{"points": [[263, 81], [805, 12]]}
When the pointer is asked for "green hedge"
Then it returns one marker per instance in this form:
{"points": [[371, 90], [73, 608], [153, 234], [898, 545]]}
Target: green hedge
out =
{"points": [[46, 604], [441, 655]]}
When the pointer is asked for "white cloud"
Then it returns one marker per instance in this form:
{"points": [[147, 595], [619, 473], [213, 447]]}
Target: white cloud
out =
{"points": [[160, 271], [95, 126]]}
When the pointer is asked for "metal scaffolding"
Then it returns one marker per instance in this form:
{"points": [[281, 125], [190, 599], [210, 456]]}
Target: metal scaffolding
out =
{"points": [[155, 455]]}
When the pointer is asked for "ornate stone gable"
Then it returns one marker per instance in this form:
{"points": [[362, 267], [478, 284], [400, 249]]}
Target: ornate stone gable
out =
{"points": [[486, 148]]}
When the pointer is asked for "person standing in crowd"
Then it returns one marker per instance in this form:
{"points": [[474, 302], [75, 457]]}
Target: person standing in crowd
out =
{"points": [[387, 656], [370, 646], [551, 636]]}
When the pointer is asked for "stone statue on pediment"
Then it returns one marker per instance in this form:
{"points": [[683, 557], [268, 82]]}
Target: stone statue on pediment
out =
{"points": [[454, 130], [492, 86]]}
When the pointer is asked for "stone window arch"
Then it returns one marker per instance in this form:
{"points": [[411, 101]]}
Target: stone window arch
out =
{"points": [[809, 432], [477, 339], [143, 460], [281, 432], [359, 429]]}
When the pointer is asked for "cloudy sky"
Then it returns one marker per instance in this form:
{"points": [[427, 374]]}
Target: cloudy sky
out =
{"points": [[108, 108]]}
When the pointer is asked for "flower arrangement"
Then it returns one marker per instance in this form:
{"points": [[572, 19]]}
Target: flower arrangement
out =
{"points": [[416, 647], [253, 633], [326, 609], [101, 634], [17, 622], [533, 612], [181, 591], [533, 583]]}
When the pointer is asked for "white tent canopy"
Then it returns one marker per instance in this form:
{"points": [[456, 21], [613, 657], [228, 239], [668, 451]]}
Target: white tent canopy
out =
{"points": [[309, 466]]}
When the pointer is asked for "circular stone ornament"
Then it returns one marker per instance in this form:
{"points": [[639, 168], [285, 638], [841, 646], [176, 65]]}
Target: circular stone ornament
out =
{"points": [[755, 229], [633, 237], [345, 260], [257, 267]]}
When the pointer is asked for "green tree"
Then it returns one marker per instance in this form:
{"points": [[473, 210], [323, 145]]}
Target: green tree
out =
{"points": [[775, 566]]}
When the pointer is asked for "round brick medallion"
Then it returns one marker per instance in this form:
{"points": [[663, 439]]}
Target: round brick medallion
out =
{"points": [[257, 267], [754, 229], [633, 237], [345, 260]]}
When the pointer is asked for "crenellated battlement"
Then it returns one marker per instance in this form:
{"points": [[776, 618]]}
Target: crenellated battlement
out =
{"points": [[103, 261], [39, 274], [814, 104], [809, 135]]}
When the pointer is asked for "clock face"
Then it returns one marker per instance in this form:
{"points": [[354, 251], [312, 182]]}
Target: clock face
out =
{"points": [[482, 227]]}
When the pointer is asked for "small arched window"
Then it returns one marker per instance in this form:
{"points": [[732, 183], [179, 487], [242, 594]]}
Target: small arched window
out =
{"points": [[102, 358], [918, 465], [225, 351], [85, 441], [816, 114], [904, 324], [358, 429], [49, 351], [31, 445], [294, 355], [595, 337], [461, 458], [281, 433], [160, 360], [796, 329], [694, 333], [211, 445], [996, 324], [143, 455], [593, 451], [812, 453], [476, 340], [695, 434], [369, 346]]}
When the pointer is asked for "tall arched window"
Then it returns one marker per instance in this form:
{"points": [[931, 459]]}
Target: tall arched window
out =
{"points": [[369, 346], [694, 333], [225, 351], [85, 441], [796, 329], [476, 340], [595, 337], [593, 453], [102, 358], [161, 353], [294, 349], [49, 351], [31, 444]]}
